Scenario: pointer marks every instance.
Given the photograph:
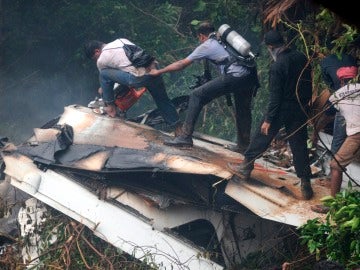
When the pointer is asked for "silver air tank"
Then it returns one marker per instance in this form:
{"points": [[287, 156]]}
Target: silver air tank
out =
{"points": [[235, 40]]}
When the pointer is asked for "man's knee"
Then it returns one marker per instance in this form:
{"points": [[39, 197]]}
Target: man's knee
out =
{"points": [[335, 164]]}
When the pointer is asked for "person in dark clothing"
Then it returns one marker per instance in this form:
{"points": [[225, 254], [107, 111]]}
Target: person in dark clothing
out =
{"points": [[236, 78], [290, 89], [331, 64]]}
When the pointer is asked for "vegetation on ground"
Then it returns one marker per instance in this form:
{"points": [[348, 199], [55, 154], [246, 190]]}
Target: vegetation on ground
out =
{"points": [[337, 238]]}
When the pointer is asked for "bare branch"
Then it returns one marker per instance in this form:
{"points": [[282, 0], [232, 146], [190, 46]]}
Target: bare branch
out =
{"points": [[159, 20]]}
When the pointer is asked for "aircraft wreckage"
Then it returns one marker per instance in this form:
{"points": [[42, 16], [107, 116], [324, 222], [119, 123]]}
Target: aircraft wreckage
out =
{"points": [[120, 180]]}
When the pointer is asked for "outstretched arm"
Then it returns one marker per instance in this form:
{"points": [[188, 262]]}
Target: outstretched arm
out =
{"points": [[178, 65]]}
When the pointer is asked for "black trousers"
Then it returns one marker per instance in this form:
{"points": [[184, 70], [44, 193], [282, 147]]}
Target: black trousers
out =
{"points": [[241, 87], [292, 120], [243, 117]]}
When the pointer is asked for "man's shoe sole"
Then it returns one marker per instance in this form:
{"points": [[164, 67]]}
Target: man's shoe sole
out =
{"points": [[178, 144], [322, 209]]}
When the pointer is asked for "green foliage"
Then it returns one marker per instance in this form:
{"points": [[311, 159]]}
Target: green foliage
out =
{"points": [[57, 30], [317, 35], [338, 236], [343, 41]]}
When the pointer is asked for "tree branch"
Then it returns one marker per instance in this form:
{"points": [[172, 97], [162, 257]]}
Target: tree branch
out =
{"points": [[159, 20]]}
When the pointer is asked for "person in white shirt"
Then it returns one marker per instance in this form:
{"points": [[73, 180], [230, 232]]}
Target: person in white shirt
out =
{"points": [[115, 67], [347, 101]]}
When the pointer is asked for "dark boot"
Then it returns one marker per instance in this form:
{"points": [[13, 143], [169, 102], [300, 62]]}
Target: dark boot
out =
{"points": [[183, 139], [244, 168], [180, 141], [306, 189], [236, 148], [178, 129]]}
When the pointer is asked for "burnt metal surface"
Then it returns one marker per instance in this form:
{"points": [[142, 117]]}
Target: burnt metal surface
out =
{"points": [[101, 143], [115, 152]]}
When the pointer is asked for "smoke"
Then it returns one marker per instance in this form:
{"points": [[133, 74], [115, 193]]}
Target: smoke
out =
{"points": [[32, 95]]}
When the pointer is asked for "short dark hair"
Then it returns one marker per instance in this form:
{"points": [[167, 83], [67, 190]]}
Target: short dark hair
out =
{"points": [[273, 38], [91, 46], [205, 28]]}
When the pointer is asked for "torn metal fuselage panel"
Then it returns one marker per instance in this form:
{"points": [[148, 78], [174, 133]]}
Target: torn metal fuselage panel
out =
{"points": [[78, 176]]}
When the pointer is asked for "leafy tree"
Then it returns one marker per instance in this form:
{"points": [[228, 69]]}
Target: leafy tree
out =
{"points": [[338, 236]]}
